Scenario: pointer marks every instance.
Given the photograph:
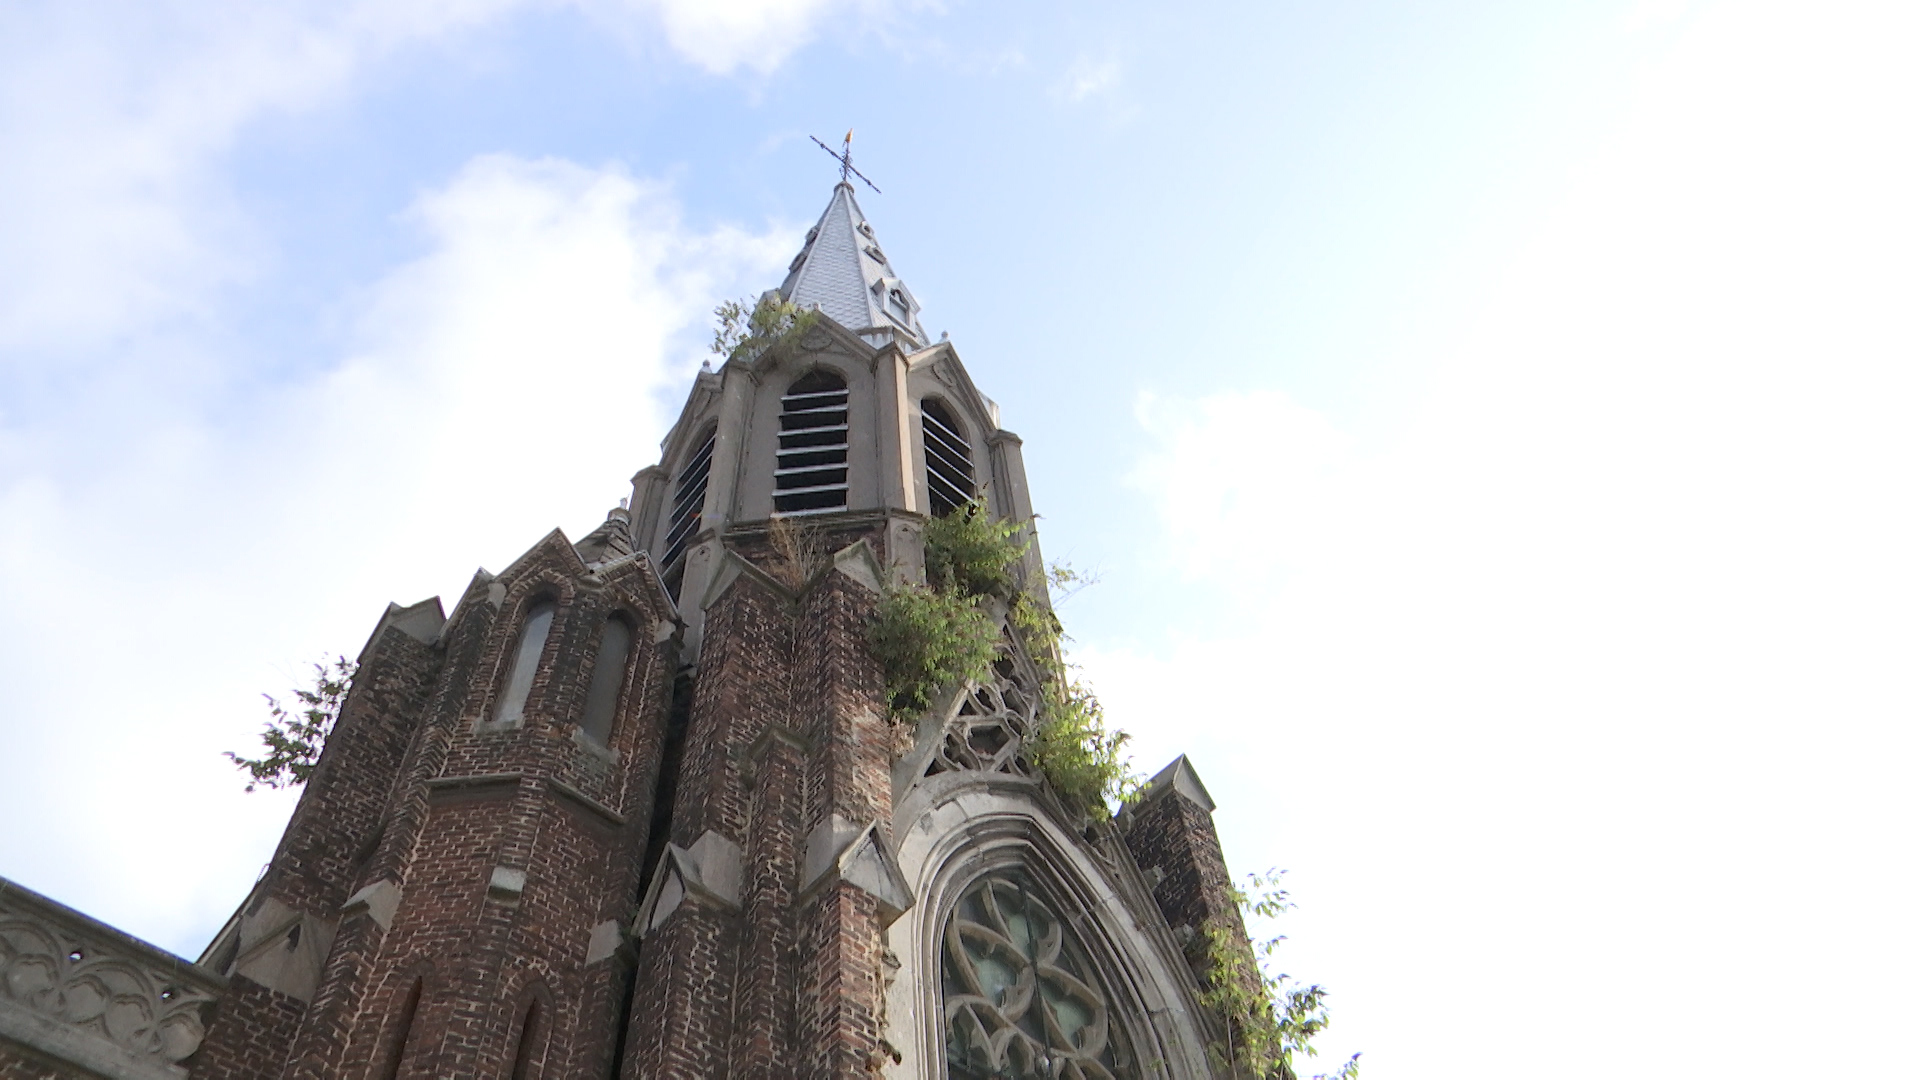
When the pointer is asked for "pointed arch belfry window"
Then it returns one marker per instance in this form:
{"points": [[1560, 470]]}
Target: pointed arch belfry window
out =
{"points": [[689, 500], [512, 706], [949, 459], [1019, 997], [810, 474]]}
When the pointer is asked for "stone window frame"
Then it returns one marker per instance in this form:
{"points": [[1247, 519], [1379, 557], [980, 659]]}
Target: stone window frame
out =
{"points": [[959, 426], [795, 377], [705, 440], [1010, 839]]}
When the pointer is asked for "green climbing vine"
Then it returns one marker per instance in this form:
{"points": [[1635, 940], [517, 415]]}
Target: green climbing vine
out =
{"points": [[1271, 1019], [933, 636]]}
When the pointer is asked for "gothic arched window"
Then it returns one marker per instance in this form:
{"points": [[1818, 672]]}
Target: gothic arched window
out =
{"points": [[526, 661], [949, 459], [395, 1050], [609, 672], [527, 1045], [1018, 995], [689, 498], [810, 474]]}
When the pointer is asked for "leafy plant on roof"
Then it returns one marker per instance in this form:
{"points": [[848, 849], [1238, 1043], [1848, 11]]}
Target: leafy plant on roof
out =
{"points": [[747, 328]]}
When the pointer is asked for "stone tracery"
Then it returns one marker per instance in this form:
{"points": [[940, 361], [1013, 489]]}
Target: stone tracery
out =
{"points": [[1019, 999], [992, 725]]}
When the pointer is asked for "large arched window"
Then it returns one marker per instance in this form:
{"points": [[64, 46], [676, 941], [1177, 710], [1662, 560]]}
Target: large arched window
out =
{"points": [[811, 473], [949, 459], [526, 660], [609, 672], [1018, 995]]}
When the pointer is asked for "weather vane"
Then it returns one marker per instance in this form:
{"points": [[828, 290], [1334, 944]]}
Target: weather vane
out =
{"points": [[845, 156]]}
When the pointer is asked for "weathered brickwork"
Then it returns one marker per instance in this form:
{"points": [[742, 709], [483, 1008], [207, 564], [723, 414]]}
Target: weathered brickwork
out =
{"points": [[474, 886], [1173, 839]]}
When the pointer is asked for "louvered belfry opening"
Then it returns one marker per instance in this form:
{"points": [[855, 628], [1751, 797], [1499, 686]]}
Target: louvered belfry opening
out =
{"points": [[811, 474], [949, 461], [689, 496]]}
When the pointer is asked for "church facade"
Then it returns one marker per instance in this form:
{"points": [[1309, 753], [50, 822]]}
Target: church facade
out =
{"points": [[636, 806]]}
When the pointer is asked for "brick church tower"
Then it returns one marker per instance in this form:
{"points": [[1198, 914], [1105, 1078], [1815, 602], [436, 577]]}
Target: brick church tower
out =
{"points": [[635, 808]]}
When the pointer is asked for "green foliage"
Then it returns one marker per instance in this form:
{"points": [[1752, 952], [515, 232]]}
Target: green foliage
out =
{"points": [[927, 639], [973, 554], [1271, 1019], [295, 738], [749, 329], [1076, 751]]}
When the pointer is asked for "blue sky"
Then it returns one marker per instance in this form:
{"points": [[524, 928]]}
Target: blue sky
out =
{"points": [[1492, 425]]}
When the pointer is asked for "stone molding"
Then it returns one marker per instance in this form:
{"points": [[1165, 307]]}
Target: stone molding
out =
{"points": [[78, 991]]}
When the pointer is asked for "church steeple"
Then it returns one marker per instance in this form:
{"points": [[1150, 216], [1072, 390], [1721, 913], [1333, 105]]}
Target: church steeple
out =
{"points": [[843, 271]]}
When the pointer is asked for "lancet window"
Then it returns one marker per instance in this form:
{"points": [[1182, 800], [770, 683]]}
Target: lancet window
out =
{"points": [[689, 499], [1019, 997], [810, 474], [609, 672], [526, 661], [949, 459]]}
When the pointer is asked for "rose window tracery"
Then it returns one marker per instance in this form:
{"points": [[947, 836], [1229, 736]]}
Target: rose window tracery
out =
{"points": [[992, 724], [1019, 998]]}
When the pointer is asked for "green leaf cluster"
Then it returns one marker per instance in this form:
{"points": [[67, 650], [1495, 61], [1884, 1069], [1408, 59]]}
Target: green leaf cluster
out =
{"points": [[934, 636], [747, 329], [1076, 751], [1271, 1019], [927, 639], [295, 737], [971, 553]]}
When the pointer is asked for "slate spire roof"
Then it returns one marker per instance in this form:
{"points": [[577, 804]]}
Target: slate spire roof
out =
{"points": [[843, 270]]}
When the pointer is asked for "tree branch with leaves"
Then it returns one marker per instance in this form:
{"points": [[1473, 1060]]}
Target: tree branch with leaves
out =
{"points": [[295, 736], [1271, 1018]]}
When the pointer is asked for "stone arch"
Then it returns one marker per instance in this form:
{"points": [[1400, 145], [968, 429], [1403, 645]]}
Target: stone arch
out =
{"points": [[994, 826]]}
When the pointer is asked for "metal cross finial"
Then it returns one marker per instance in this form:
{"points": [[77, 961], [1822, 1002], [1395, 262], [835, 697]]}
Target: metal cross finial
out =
{"points": [[845, 157]]}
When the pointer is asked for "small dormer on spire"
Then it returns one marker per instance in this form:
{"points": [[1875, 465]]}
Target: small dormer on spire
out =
{"points": [[843, 271]]}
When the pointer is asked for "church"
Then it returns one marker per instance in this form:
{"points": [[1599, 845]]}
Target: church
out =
{"points": [[638, 806]]}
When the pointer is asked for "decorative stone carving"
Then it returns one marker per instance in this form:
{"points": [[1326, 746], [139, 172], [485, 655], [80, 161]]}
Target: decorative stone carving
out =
{"points": [[988, 731], [100, 986], [1019, 998]]}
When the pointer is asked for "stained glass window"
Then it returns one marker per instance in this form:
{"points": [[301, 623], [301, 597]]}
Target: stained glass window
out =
{"points": [[1020, 999]]}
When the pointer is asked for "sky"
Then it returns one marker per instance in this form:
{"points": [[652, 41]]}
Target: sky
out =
{"points": [[1491, 425]]}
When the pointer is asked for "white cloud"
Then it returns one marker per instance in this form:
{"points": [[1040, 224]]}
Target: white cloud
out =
{"points": [[757, 34], [506, 382], [117, 213], [1588, 693], [1089, 77]]}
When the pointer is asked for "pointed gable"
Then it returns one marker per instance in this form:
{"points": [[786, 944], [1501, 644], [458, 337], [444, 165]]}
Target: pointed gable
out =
{"points": [[844, 271]]}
